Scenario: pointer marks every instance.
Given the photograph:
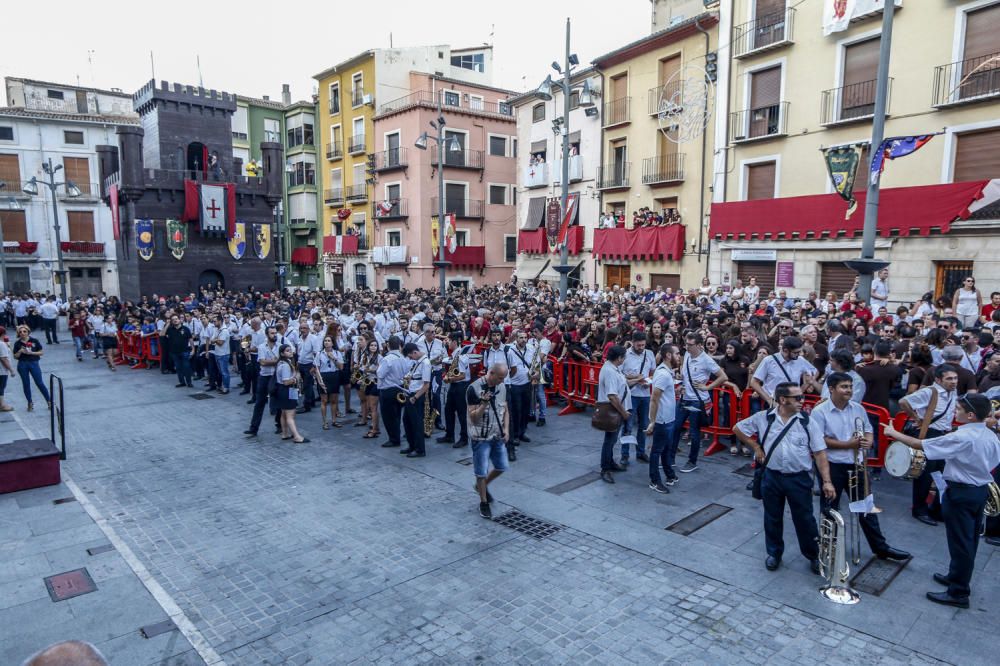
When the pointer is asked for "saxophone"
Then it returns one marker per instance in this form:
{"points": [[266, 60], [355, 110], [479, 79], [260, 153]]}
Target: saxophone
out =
{"points": [[430, 414], [536, 366], [453, 372]]}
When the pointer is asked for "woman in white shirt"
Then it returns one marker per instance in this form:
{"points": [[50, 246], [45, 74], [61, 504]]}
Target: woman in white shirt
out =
{"points": [[967, 302], [109, 340]]}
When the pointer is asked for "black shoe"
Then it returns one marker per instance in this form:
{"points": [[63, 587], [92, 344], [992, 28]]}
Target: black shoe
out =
{"points": [[814, 565], [244, 392], [893, 554], [992, 540], [925, 519], [485, 511], [460, 444], [642, 456], [389, 445], [525, 439], [250, 433], [617, 468], [415, 454], [540, 423], [251, 401], [659, 487], [512, 454], [941, 579], [180, 385], [531, 418], [607, 476], [948, 600], [405, 452], [351, 411], [772, 563], [445, 440]]}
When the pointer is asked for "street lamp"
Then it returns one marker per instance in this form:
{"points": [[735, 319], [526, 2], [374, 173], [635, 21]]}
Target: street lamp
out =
{"points": [[12, 204], [72, 191], [585, 99], [454, 147]]}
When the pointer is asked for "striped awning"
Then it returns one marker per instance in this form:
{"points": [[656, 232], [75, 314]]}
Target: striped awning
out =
{"points": [[536, 214]]}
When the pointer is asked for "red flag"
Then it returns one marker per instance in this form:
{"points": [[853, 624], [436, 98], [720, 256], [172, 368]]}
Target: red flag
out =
{"points": [[115, 222], [192, 209], [230, 210]]}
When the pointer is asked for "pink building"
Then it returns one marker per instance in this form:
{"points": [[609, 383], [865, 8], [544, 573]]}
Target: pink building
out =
{"points": [[479, 184]]}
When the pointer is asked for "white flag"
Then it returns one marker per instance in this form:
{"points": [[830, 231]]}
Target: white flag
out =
{"points": [[213, 208]]}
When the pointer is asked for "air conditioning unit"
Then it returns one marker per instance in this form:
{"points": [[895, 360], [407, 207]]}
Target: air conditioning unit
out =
{"points": [[368, 99]]}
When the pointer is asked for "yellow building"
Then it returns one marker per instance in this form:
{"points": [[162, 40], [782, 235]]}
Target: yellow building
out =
{"points": [[648, 161], [791, 90]]}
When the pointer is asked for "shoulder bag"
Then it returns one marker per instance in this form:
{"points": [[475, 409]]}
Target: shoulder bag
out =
{"points": [[758, 471]]}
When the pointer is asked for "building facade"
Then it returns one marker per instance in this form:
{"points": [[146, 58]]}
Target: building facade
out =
{"points": [[790, 89], [649, 168], [349, 95], [301, 212], [539, 176], [479, 184], [50, 121]]}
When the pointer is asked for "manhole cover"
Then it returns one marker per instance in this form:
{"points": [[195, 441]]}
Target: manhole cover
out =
{"points": [[97, 550], [533, 527], [875, 576], [156, 629], [745, 470], [201, 396], [698, 519], [70, 584], [464, 461], [573, 484], [64, 500]]}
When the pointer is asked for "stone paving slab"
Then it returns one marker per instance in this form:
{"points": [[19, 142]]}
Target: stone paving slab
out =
{"points": [[339, 551]]}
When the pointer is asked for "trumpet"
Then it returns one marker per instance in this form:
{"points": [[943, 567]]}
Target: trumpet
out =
{"points": [[832, 561], [245, 342]]}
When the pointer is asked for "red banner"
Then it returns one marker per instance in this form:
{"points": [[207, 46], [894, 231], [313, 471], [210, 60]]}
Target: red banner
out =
{"points": [[115, 222]]}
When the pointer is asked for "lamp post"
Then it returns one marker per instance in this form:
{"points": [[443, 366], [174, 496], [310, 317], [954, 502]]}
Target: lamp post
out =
{"points": [[13, 205], [453, 146], [72, 191], [544, 92]]}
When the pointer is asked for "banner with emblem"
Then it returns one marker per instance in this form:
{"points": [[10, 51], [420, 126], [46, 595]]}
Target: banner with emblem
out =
{"points": [[144, 238], [262, 240], [238, 241], [842, 164], [177, 238]]}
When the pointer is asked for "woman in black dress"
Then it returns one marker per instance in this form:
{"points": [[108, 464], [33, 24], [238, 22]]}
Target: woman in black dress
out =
{"points": [[326, 370], [286, 397]]}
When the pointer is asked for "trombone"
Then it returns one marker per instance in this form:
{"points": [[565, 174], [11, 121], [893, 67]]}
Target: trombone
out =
{"points": [[858, 488]]}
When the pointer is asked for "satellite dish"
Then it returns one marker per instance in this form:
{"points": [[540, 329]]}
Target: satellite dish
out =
{"points": [[686, 103]]}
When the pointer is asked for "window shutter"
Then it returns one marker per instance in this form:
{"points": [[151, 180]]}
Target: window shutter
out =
{"points": [[15, 225], [81, 225], [861, 62], [760, 181], [977, 155], [10, 171], [765, 88], [982, 32], [762, 270], [836, 277], [78, 170]]}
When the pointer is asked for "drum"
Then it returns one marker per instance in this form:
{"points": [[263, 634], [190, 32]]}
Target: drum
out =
{"points": [[903, 462]]}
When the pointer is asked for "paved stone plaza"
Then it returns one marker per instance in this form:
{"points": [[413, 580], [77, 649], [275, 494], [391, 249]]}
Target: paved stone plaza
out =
{"points": [[339, 551]]}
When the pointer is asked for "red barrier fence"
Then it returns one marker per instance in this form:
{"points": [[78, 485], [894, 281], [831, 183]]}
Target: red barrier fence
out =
{"points": [[137, 350]]}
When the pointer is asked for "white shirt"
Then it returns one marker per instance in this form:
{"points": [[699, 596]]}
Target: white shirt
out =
{"points": [[221, 333], [840, 424], [944, 410], [972, 450], [520, 358], [769, 373], [750, 293], [663, 379], [326, 361], [880, 294], [265, 352], [49, 310], [639, 364], [611, 381], [794, 453], [858, 386], [970, 361], [698, 370]]}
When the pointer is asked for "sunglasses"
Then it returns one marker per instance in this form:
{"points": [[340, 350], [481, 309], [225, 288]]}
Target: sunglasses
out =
{"points": [[796, 398]]}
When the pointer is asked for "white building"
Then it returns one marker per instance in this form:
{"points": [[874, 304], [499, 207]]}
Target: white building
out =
{"points": [[539, 172], [62, 98]]}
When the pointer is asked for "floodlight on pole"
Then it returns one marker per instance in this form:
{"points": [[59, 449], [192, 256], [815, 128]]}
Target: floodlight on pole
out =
{"points": [[544, 90], [72, 190], [421, 142], [31, 187], [586, 98]]}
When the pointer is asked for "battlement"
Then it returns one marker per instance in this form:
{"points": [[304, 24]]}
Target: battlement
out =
{"points": [[178, 95]]}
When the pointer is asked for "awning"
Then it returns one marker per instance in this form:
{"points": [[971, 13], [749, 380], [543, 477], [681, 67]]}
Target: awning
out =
{"points": [[902, 210], [538, 146], [529, 267], [643, 244], [536, 213], [469, 256], [305, 256], [574, 238], [340, 244], [574, 137]]}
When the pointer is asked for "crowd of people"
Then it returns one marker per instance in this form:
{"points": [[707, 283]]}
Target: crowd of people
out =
{"points": [[473, 367]]}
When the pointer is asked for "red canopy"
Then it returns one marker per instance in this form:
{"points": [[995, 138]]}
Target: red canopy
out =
{"points": [[901, 211], [473, 256], [642, 244], [348, 244], [305, 256], [532, 242]]}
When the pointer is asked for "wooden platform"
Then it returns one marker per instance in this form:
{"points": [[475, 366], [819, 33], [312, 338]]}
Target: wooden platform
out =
{"points": [[28, 463]]}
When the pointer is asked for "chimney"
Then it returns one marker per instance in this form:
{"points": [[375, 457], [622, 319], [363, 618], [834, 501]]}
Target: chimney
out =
{"points": [[267, 98], [286, 94]]}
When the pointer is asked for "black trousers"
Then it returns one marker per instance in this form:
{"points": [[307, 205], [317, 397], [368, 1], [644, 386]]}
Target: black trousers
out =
{"points": [[391, 413], [250, 371], [455, 406], [519, 399], [963, 522], [260, 398], [922, 486], [49, 326], [308, 385], [869, 522], [435, 396], [413, 424], [796, 489]]}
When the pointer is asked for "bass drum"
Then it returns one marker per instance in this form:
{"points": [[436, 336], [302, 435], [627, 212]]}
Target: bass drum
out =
{"points": [[903, 462]]}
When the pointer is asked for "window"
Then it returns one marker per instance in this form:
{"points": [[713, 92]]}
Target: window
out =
{"points": [[334, 98], [56, 94], [337, 180], [498, 146], [303, 173], [860, 69], [307, 133], [6, 133], [476, 102], [574, 100], [513, 147], [472, 61], [360, 276], [357, 89], [78, 170], [977, 155], [537, 113], [15, 225], [452, 98], [510, 248], [73, 137], [394, 238], [240, 123], [498, 194], [462, 237], [359, 174], [81, 225], [10, 171], [760, 180], [272, 130], [298, 136], [359, 133], [765, 102], [393, 284]]}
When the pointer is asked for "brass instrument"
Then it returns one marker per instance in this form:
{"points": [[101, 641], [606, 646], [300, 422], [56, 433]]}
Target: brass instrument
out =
{"points": [[245, 342], [992, 508], [832, 561], [454, 373], [430, 414], [403, 396], [536, 366]]}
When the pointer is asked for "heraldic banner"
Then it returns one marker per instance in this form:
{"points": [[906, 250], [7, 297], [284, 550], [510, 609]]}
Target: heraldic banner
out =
{"points": [[261, 240], [144, 238], [842, 164], [177, 238], [238, 241]]}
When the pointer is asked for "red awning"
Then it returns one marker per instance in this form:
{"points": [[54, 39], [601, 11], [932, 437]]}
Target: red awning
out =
{"points": [[304, 256], [472, 256], [347, 244], [643, 244], [574, 239], [901, 211], [532, 242]]}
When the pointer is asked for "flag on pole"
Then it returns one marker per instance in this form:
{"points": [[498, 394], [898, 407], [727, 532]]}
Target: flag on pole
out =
{"points": [[897, 146], [449, 232], [842, 165]]}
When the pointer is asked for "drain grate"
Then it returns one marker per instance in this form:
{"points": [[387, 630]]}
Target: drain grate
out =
{"points": [[745, 470], [876, 575], [64, 500], [70, 584], [97, 550], [573, 484], [697, 520], [83, 387], [533, 527], [201, 396], [156, 629], [464, 461]]}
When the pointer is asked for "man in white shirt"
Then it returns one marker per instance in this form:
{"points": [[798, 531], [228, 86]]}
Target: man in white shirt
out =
{"points": [[220, 352], [49, 310], [786, 366], [662, 408], [519, 358], [880, 290], [697, 370], [542, 346], [638, 369], [306, 355], [613, 389]]}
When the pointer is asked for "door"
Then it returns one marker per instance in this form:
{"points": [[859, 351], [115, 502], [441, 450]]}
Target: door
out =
{"points": [[620, 157], [338, 281], [453, 157], [950, 275], [84, 281], [762, 270], [765, 99], [620, 276], [668, 68], [665, 280], [857, 97], [770, 23], [211, 279], [454, 197], [836, 277], [392, 150], [392, 194], [358, 140], [18, 280]]}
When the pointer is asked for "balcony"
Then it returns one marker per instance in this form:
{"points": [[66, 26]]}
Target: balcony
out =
{"points": [[342, 245], [613, 176], [535, 241], [356, 144], [663, 169], [390, 255], [462, 159], [359, 97], [334, 196], [536, 175], [335, 150], [851, 103], [395, 209], [766, 32], [464, 103], [642, 244], [761, 123], [389, 160], [305, 256], [23, 248], [357, 193], [967, 81], [89, 192], [470, 209], [618, 112], [657, 97], [575, 170], [466, 256], [82, 248]]}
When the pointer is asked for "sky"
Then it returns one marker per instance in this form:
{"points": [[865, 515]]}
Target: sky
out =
{"points": [[252, 52]]}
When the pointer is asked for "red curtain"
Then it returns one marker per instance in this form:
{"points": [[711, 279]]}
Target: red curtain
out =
{"points": [[643, 244]]}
